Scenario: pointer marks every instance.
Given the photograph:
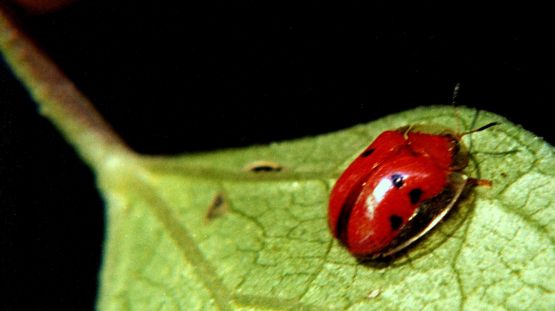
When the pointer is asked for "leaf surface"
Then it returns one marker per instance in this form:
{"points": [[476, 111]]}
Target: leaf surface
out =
{"points": [[268, 247]]}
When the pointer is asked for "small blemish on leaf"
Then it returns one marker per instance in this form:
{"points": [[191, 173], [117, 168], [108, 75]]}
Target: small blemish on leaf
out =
{"points": [[263, 167], [374, 294], [218, 207]]}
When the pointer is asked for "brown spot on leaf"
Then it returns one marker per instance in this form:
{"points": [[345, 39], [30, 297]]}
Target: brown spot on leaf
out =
{"points": [[218, 207]]}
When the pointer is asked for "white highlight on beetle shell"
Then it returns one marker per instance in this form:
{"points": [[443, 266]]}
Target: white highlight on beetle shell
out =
{"points": [[377, 196], [383, 186], [370, 206]]}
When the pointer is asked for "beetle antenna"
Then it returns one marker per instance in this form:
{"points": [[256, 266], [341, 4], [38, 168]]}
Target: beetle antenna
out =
{"points": [[454, 98], [481, 128], [455, 95]]}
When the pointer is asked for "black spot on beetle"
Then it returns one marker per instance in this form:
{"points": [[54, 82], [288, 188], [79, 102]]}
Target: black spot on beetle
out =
{"points": [[366, 153], [415, 195], [397, 180], [395, 221]]}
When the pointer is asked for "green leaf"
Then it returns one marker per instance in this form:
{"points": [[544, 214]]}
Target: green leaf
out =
{"points": [[269, 246]]}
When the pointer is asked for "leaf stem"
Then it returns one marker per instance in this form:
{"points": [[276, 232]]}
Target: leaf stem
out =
{"points": [[57, 97]]}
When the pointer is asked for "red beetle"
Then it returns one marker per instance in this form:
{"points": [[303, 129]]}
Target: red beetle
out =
{"points": [[398, 189]]}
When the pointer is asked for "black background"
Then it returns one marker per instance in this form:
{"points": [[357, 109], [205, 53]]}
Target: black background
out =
{"points": [[173, 80]]}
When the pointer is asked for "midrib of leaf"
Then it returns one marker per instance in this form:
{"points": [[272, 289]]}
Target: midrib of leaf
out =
{"points": [[209, 174], [184, 241]]}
